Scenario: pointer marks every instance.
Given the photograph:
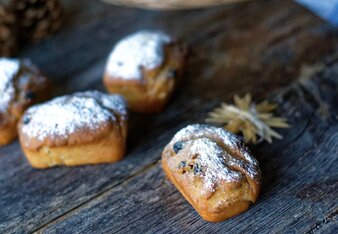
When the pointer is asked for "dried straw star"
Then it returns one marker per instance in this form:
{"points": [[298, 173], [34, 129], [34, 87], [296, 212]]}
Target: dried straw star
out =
{"points": [[250, 119]]}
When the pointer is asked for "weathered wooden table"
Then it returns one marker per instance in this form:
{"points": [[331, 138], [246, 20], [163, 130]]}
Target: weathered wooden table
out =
{"points": [[273, 49]]}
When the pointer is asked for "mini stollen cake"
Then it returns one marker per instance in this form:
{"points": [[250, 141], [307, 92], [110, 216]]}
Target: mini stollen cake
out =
{"points": [[21, 85], [145, 68], [213, 170], [82, 128]]}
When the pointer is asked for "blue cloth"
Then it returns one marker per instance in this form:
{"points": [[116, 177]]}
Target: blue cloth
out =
{"points": [[326, 9]]}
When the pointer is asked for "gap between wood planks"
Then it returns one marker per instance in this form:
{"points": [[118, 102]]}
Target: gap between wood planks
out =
{"points": [[73, 210], [326, 220]]}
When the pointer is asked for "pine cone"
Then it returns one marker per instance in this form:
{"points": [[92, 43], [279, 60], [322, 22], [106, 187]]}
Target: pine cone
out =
{"points": [[8, 32], [37, 18]]}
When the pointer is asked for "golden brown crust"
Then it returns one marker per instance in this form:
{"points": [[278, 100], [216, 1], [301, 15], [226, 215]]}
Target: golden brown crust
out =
{"points": [[212, 170], [7, 131], [28, 86], [231, 210], [80, 137], [108, 149], [82, 128], [151, 93]]}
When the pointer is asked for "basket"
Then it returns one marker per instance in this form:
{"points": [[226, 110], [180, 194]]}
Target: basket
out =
{"points": [[170, 4]]}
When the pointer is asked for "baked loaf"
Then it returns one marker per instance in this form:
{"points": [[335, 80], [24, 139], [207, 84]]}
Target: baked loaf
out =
{"points": [[21, 85], [78, 129], [213, 170], [145, 68]]}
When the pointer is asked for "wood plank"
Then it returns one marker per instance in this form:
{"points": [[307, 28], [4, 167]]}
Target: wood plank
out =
{"points": [[300, 180], [249, 47]]}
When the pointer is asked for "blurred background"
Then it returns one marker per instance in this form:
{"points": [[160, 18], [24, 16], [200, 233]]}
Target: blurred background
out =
{"points": [[327, 9]]}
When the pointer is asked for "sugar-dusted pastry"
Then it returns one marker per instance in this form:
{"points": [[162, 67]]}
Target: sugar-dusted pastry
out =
{"points": [[145, 68], [21, 85], [213, 170], [82, 128]]}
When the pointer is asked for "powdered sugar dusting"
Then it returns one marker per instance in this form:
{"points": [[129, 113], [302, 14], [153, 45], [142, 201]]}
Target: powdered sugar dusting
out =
{"points": [[229, 139], [199, 130], [213, 159], [141, 49], [218, 163], [8, 69], [115, 103], [234, 144], [65, 115]]}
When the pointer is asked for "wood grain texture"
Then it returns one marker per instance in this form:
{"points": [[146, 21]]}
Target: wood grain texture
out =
{"points": [[255, 47], [300, 179]]}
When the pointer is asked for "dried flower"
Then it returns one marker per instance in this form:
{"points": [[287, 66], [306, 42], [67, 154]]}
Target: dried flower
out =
{"points": [[250, 119]]}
